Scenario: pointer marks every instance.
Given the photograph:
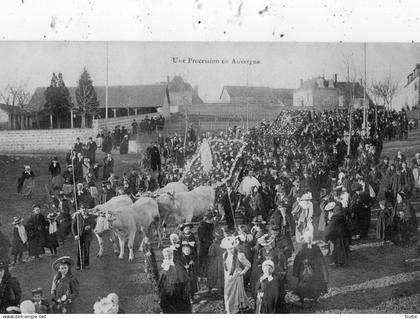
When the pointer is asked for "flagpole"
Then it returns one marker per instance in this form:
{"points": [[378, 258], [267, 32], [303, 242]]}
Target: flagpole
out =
{"points": [[364, 90]]}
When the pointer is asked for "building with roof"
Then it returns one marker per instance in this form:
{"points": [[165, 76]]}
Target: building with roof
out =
{"points": [[256, 95], [412, 89], [14, 118], [122, 100], [321, 93]]}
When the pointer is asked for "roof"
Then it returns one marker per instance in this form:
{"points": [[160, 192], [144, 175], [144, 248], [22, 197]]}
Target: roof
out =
{"points": [[118, 96], [263, 92], [312, 84], [13, 109], [247, 91]]}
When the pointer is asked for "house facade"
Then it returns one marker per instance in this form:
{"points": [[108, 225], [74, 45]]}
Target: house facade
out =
{"points": [[320, 93], [412, 89]]}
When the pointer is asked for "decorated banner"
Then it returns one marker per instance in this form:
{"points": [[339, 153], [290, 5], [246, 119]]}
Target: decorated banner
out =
{"points": [[213, 163]]}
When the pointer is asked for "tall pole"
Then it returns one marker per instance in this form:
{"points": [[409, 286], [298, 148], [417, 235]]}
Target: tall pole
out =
{"points": [[364, 90], [106, 87], [350, 109]]}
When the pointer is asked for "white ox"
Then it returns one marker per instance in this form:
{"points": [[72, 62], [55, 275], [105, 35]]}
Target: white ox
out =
{"points": [[186, 205], [102, 227], [172, 188], [126, 221]]}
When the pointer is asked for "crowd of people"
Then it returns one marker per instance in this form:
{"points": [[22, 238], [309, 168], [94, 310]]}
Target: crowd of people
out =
{"points": [[280, 178]]}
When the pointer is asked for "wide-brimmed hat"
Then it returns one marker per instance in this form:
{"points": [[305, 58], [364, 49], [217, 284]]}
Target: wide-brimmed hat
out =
{"points": [[35, 206], [229, 242], [266, 240], [17, 220], [51, 215], [185, 225], [329, 206], [37, 291], [186, 244], [63, 260], [258, 220], [306, 196], [268, 262]]}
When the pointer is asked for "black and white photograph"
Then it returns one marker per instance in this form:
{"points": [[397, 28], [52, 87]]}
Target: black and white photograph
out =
{"points": [[206, 177]]}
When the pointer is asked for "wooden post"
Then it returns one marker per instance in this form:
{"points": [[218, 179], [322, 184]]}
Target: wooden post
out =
{"points": [[71, 118], [51, 120]]}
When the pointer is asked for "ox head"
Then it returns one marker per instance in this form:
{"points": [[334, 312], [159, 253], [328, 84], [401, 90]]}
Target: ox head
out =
{"points": [[103, 222]]}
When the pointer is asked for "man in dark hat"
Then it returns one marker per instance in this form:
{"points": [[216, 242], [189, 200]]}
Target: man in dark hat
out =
{"points": [[36, 229], [82, 228], [91, 149], [4, 247], [10, 292]]}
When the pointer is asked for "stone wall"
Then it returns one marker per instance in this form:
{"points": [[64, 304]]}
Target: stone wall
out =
{"points": [[58, 140]]}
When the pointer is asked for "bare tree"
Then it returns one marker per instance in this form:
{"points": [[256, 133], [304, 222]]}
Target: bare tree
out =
{"points": [[385, 90], [15, 95]]}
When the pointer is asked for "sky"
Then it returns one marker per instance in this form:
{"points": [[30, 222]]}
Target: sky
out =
{"points": [[281, 65]]}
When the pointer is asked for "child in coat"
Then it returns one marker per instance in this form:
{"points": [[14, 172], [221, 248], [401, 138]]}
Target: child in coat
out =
{"points": [[19, 240]]}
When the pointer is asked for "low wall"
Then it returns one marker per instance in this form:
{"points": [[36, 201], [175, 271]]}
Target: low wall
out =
{"points": [[126, 121], [58, 140]]}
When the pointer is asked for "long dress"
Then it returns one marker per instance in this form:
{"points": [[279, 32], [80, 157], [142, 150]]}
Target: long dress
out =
{"points": [[270, 295], [311, 270], [235, 296], [215, 270], [174, 290], [26, 183]]}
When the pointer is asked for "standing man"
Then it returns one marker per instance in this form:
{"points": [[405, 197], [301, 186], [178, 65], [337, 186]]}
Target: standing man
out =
{"points": [[82, 227], [91, 149], [134, 126], [36, 230], [78, 146]]}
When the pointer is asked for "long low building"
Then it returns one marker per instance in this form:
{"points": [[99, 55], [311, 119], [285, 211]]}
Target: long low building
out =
{"points": [[122, 101]]}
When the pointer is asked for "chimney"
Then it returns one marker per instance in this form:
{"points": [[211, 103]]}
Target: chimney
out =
{"points": [[361, 81], [335, 78], [301, 82]]}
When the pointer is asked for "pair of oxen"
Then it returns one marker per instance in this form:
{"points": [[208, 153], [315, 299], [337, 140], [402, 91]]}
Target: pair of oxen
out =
{"points": [[123, 219]]}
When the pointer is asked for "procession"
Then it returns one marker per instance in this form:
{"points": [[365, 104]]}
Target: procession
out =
{"points": [[147, 199]]}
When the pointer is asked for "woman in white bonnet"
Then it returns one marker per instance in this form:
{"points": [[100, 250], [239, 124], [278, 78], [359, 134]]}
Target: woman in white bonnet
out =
{"points": [[311, 270]]}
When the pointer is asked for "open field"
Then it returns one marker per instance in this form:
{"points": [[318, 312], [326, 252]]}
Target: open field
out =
{"points": [[376, 281]]}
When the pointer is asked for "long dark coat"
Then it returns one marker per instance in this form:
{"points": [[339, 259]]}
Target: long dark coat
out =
{"points": [[311, 270], [4, 247], [108, 167], [205, 237], [174, 290], [36, 230], [360, 211], [10, 292], [338, 233], [384, 224]]}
